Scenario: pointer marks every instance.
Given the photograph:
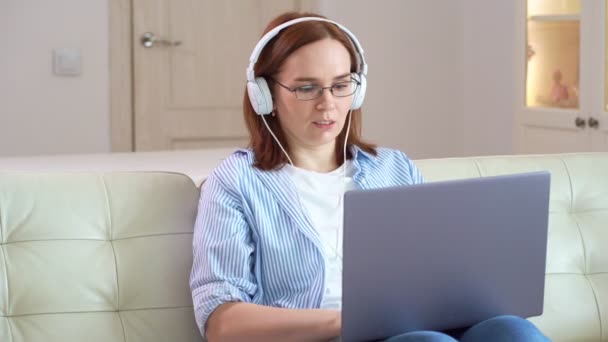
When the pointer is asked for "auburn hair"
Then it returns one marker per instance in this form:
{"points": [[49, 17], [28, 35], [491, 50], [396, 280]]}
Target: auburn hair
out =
{"points": [[268, 155]]}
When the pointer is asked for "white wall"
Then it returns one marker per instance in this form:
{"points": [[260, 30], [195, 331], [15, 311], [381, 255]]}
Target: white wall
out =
{"points": [[45, 114], [414, 52], [441, 75], [488, 76]]}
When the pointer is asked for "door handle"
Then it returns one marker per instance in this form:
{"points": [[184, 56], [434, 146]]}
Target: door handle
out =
{"points": [[148, 40], [580, 122], [594, 123]]}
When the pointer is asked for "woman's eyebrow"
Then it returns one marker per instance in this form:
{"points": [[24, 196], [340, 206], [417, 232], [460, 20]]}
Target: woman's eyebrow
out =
{"points": [[312, 79]]}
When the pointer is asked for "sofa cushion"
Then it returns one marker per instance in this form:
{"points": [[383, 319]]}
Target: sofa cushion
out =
{"points": [[96, 257], [576, 283]]}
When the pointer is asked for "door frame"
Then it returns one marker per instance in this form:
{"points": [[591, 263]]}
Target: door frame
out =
{"points": [[121, 76], [122, 111], [599, 110]]}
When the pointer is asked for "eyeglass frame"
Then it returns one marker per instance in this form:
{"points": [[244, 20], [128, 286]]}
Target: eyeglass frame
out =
{"points": [[322, 89]]}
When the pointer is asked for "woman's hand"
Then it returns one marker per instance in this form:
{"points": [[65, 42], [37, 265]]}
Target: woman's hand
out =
{"points": [[335, 323], [236, 321]]}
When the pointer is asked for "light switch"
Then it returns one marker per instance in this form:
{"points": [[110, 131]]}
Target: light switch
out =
{"points": [[66, 62]]}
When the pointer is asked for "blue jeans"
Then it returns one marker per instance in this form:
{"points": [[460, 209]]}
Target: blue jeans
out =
{"points": [[497, 329]]}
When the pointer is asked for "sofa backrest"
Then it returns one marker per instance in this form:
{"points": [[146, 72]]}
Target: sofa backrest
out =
{"points": [[106, 257], [576, 283], [96, 257]]}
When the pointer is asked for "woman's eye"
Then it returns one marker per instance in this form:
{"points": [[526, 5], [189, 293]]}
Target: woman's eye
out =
{"points": [[306, 89], [340, 86]]}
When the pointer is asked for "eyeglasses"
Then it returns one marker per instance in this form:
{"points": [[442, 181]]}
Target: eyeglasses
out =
{"points": [[313, 91]]}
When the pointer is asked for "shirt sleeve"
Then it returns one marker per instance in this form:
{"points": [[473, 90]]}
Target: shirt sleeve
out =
{"points": [[222, 269], [412, 169]]}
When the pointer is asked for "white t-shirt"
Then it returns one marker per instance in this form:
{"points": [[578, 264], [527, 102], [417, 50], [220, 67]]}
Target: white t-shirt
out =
{"points": [[322, 195]]}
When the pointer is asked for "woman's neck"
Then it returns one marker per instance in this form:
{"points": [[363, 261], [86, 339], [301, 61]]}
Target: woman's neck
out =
{"points": [[319, 159]]}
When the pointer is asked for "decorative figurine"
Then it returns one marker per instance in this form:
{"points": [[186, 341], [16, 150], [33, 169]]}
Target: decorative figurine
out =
{"points": [[559, 92]]}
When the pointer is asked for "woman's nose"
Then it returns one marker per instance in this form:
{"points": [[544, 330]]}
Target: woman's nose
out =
{"points": [[326, 100]]}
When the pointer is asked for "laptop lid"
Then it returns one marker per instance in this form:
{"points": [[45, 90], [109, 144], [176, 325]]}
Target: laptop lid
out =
{"points": [[443, 255]]}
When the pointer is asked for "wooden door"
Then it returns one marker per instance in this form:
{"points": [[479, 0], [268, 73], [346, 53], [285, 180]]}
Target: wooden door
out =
{"points": [[189, 84]]}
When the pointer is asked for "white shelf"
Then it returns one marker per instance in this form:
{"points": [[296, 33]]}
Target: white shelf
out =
{"points": [[552, 18]]}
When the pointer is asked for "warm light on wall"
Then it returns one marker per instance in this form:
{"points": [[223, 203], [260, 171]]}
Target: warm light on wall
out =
{"points": [[532, 80], [553, 7], [553, 52]]}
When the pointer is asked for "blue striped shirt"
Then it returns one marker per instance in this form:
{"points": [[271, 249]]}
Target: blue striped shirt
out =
{"points": [[254, 242]]}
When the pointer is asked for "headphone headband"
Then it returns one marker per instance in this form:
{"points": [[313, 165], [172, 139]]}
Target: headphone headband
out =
{"points": [[255, 54], [258, 91]]}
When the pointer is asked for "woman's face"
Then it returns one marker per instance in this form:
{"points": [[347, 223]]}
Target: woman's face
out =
{"points": [[313, 123]]}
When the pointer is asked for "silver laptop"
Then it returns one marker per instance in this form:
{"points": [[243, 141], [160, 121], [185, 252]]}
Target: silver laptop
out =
{"points": [[443, 255]]}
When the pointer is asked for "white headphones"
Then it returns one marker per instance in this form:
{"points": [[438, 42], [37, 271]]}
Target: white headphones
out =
{"points": [[257, 87]]}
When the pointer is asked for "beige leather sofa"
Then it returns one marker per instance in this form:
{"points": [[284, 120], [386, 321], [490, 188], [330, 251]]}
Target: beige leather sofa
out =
{"points": [[576, 282], [106, 256]]}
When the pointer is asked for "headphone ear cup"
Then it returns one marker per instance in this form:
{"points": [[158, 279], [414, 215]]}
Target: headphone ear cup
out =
{"points": [[260, 96], [359, 94]]}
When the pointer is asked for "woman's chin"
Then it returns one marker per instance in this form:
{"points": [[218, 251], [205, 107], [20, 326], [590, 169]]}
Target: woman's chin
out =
{"points": [[323, 140]]}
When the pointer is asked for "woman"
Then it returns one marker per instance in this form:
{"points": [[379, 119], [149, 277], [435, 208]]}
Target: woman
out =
{"points": [[267, 241]]}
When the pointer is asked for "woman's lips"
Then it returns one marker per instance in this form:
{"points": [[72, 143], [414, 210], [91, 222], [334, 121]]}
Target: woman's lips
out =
{"points": [[324, 124]]}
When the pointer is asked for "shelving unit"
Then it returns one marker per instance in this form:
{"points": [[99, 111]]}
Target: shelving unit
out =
{"points": [[555, 17], [561, 51]]}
